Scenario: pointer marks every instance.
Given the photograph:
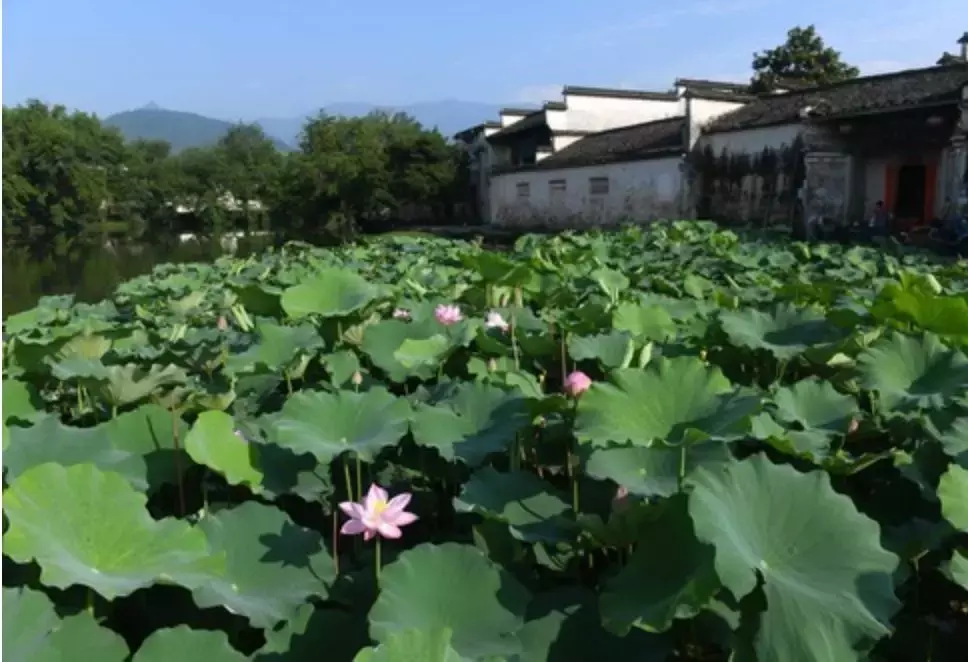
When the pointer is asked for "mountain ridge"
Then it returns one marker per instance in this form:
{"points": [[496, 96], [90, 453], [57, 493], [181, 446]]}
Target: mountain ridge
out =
{"points": [[184, 129]]}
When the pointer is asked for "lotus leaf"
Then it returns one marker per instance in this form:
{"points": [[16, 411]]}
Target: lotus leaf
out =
{"points": [[432, 587], [90, 527]]}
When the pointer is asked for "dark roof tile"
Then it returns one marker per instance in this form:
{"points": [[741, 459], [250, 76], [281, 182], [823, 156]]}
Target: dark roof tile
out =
{"points": [[628, 143], [885, 92]]}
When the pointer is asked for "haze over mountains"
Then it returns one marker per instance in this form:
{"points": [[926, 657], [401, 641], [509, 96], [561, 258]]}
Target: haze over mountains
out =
{"points": [[186, 129]]}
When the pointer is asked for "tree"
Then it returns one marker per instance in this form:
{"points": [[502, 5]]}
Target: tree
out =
{"points": [[62, 172], [804, 58], [250, 163]]}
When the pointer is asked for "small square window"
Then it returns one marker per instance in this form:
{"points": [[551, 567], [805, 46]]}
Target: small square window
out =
{"points": [[556, 191], [523, 190], [598, 186]]}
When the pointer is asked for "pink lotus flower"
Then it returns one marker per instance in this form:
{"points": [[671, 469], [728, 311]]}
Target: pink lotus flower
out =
{"points": [[496, 321], [401, 314], [222, 323], [448, 314], [577, 383], [376, 516]]}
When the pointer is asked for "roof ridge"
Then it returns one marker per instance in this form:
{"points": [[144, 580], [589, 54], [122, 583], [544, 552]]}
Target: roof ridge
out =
{"points": [[862, 79]]}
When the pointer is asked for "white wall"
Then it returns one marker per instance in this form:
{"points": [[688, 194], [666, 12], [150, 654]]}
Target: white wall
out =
{"points": [[638, 191], [751, 141], [560, 142], [595, 113], [702, 111], [507, 119]]}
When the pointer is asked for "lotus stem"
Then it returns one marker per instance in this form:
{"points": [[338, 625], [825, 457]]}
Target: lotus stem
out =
{"points": [[376, 562], [175, 419], [336, 540], [514, 343], [359, 479]]}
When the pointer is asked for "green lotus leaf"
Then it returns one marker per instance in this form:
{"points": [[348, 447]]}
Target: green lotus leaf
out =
{"points": [[33, 632], [953, 436], [340, 632], [212, 442], [475, 421], [953, 494], [655, 470], [610, 348], [330, 293], [611, 282], [645, 322], [422, 352], [670, 575], [812, 414], [785, 332], [826, 579], [122, 385], [432, 587], [187, 645], [412, 645], [419, 343], [957, 569], [328, 424], [676, 400], [272, 566], [277, 349], [533, 510], [138, 445], [564, 625], [925, 308], [342, 366], [90, 527], [21, 402], [908, 372]]}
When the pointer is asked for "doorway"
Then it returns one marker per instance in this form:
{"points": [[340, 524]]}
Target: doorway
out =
{"points": [[911, 192]]}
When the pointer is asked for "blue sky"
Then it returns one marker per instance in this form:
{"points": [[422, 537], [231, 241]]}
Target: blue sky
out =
{"points": [[242, 59]]}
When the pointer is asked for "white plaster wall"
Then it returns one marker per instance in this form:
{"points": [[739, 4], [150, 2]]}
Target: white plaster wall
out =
{"points": [[593, 113], [701, 111], [507, 119], [638, 191], [751, 140], [560, 142]]}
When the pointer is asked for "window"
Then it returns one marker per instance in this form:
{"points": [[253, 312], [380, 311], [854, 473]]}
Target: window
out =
{"points": [[598, 186], [524, 190], [556, 192]]}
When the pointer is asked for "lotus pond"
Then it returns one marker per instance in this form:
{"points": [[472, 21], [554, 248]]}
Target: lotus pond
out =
{"points": [[654, 445]]}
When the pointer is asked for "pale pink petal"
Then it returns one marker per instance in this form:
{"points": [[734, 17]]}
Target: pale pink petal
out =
{"points": [[369, 534], [353, 527], [352, 509], [402, 519], [375, 495], [388, 530], [397, 504]]}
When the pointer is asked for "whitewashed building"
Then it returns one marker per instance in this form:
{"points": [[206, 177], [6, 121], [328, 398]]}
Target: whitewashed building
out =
{"points": [[836, 150], [602, 155], [709, 148]]}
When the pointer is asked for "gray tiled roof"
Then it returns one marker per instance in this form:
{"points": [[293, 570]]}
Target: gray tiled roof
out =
{"points": [[638, 142], [886, 92]]}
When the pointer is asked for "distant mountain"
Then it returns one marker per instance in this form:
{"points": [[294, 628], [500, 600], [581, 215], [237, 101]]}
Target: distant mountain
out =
{"points": [[449, 116], [181, 129]]}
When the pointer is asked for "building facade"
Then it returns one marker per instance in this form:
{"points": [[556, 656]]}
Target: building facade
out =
{"points": [[712, 150]]}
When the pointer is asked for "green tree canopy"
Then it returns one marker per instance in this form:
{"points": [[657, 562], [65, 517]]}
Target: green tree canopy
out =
{"points": [[803, 58]]}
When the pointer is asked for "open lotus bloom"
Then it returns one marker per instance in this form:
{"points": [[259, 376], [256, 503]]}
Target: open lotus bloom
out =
{"points": [[448, 314], [377, 516], [577, 383], [496, 321]]}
